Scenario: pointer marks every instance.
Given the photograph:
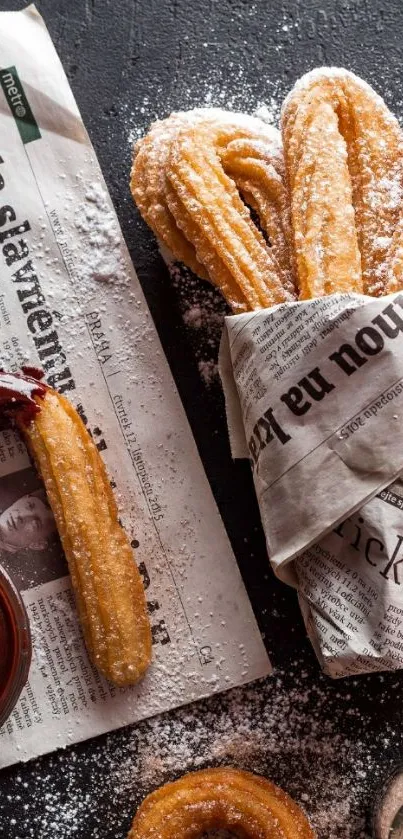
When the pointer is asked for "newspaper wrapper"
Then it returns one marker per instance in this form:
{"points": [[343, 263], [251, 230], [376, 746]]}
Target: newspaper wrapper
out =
{"points": [[314, 397], [71, 303]]}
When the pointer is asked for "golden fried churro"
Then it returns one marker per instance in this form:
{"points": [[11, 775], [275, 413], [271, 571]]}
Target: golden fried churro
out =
{"points": [[220, 799], [343, 153], [106, 582], [338, 225], [148, 186], [186, 178], [260, 178]]}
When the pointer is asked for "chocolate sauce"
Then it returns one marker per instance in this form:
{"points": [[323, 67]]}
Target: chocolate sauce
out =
{"points": [[15, 645], [18, 400], [18, 392], [6, 647]]}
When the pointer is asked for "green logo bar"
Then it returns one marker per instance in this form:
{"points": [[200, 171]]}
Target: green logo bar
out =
{"points": [[19, 105]]}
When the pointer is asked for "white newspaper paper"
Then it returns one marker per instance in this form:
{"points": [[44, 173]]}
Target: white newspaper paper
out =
{"points": [[314, 395], [350, 589], [71, 303]]}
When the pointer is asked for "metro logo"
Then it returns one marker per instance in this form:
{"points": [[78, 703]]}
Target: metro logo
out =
{"points": [[19, 105]]}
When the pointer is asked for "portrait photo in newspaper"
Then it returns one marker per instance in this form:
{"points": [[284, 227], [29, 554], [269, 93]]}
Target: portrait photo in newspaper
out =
{"points": [[30, 548]]}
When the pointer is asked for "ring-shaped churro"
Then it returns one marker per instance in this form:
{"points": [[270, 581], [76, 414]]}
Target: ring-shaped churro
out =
{"points": [[343, 153], [248, 805]]}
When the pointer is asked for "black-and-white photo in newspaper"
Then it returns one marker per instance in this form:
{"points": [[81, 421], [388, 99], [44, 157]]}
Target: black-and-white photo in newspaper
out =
{"points": [[30, 548]]}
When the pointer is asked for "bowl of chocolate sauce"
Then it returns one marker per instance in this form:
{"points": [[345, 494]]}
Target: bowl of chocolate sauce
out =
{"points": [[15, 645]]}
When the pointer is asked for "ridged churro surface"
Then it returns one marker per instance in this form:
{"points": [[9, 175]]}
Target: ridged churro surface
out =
{"points": [[193, 176], [343, 153], [329, 205], [220, 799], [105, 578]]}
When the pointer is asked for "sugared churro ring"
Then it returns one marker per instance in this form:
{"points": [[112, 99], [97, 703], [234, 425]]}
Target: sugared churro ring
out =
{"points": [[186, 178], [343, 153], [220, 799]]}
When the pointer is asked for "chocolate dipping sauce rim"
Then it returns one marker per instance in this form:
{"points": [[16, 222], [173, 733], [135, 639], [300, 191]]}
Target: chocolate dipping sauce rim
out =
{"points": [[18, 402], [17, 618], [379, 799]]}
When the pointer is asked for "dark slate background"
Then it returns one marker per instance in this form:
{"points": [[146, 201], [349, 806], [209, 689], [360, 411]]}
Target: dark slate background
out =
{"points": [[127, 62]]}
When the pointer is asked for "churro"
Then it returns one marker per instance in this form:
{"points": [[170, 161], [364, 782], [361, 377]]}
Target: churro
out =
{"points": [[220, 799], [148, 185], [191, 177], [343, 153], [337, 224], [106, 582]]}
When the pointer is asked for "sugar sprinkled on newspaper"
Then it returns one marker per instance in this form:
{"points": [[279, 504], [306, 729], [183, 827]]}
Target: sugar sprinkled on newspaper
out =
{"points": [[71, 303]]}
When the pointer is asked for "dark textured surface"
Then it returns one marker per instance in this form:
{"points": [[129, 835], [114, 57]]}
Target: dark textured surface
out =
{"points": [[129, 61]]}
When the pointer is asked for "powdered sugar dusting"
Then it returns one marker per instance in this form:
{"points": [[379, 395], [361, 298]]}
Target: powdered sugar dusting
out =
{"points": [[294, 728], [210, 94], [208, 371], [272, 733], [203, 310], [269, 112], [102, 258], [337, 73]]}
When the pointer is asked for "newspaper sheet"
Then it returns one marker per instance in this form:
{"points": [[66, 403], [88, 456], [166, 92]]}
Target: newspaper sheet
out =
{"points": [[350, 589], [71, 303], [314, 396]]}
